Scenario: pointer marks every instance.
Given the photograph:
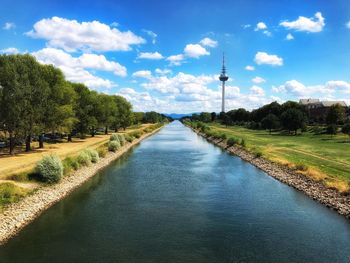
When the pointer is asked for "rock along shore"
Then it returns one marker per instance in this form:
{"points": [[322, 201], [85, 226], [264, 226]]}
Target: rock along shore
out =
{"points": [[316, 190], [17, 215]]}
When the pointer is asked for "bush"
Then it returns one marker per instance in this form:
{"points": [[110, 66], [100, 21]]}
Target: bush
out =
{"points": [[232, 141], [258, 154], [114, 137], [121, 138], [113, 146], [243, 144], [70, 163], [301, 167], [223, 136], [10, 193], [129, 138], [102, 151], [136, 134], [50, 169], [93, 154], [84, 158]]}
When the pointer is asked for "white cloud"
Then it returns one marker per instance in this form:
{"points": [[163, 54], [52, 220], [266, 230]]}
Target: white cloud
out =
{"points": [[314, 24], [249, 68], [267, 33], [176, 60], [142, 74], [246, 26], [8, 26], [258, 80], [257, 91], [208, 42], [348, 24], [195, 51], [152, 35], [329, 90], [10, 50], [71, 35], [75, 68], [162, 71], [289, 36], [150, 55], [260, 26], [264, 58]]}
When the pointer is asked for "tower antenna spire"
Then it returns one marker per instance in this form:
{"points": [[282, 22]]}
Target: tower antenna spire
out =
{"points": [[223, 78]]}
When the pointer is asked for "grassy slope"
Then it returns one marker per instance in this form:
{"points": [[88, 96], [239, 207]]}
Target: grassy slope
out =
{"points": [[327, 158], [24, 162]]}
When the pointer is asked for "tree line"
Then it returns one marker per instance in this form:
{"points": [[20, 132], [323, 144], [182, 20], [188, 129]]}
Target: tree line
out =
{"points": [[36, 99], [290, 116]]}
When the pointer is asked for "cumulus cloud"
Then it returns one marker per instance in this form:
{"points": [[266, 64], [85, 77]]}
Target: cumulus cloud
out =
{"points": [[150, 55], [9, 25], [260, 26], [151, 34], [289, 36], [265, 58], [249, 68], [329, 90], [72, 35], [75, 68], [348, 24], [208, 42], [258, 80], [257, 91], [314, 24], [142, 74], [162, 71], [10, 50], [246, 26], [195, 51], [176, 60]]}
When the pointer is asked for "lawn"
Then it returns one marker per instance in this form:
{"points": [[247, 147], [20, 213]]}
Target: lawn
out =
{"points": [[327, 158]]}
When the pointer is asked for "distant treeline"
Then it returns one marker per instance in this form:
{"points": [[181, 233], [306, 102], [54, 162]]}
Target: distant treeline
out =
{"points": [[290, 116], [36, 99]]}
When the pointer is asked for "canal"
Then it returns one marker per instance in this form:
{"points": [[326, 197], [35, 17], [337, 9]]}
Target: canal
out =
{"points": [[177, 198]]}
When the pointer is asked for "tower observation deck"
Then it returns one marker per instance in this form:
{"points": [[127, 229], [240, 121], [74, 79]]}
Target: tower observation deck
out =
{"points": [[223, 78]]}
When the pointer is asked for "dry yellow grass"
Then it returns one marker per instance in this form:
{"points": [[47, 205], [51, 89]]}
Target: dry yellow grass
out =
{"points": [[24, 162]]}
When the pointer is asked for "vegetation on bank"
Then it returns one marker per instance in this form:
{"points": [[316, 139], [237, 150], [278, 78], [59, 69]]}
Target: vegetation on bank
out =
{"points": [[51, 168], [323, 157], [38, 104]]}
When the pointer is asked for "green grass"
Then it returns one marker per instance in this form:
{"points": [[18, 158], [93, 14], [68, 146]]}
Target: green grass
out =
{"points": [[10, 193], [322, 156]]}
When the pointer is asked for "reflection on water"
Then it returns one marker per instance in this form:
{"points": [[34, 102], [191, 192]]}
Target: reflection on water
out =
{"points": [[177, 198]]}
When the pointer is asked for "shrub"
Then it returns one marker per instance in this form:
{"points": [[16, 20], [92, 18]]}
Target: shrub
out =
{"points": [[93, 154], [102, 151], [258, 154], [50, 169], [136, 134], [84, 158], [300, 167], [223, 136], [121, 139], [70, 163], [232, 141], [114, 137], [10, 193], [243, 144], [129, 138], [113, 146]]}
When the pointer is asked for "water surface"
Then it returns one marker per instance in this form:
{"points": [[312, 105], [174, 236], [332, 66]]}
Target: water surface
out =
{"points": [[177, 198]]}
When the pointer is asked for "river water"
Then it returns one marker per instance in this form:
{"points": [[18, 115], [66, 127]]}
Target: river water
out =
{"points": [[177, 198]]}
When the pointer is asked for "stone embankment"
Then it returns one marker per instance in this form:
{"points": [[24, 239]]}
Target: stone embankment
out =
{"points": [[316, 190], [17, 215]]}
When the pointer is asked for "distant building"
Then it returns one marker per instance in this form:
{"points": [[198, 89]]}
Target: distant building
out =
{"points": [[317, 109]]}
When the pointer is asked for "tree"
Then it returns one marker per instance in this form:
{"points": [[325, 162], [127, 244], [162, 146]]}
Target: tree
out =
{"points": [[332, 129], [213, 116], [106, 109], [346, 129], [205, 117], [270, 122], [335, 114], [293, 119], [123, 116]]}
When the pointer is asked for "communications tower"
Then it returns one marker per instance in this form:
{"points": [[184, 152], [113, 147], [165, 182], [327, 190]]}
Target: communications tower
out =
{"points": [[223, 78]]}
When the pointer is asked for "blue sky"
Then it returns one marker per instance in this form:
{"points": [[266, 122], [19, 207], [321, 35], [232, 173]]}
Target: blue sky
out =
{"points": [[166, 55]]}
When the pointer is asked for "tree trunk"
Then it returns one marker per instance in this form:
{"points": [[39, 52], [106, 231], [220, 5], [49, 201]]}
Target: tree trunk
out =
{"points": [[28, 139], [106, 130], [41, 141], [12, 144], [69, 139]]}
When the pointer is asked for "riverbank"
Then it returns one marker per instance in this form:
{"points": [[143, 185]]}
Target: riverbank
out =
{"points": [[17, 215], [316, 190]]}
